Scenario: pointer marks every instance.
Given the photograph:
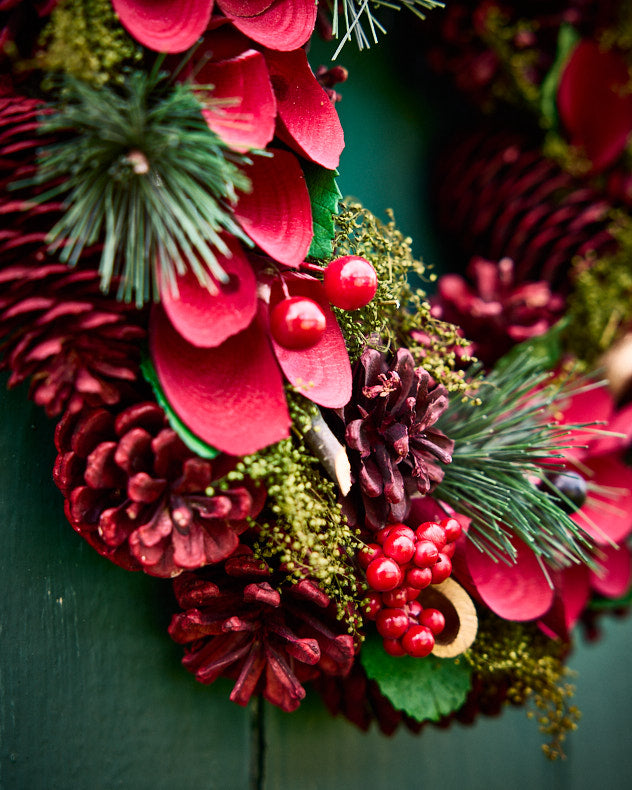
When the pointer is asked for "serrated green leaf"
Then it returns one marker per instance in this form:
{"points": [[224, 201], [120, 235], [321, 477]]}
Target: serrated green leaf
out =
{"points": [[193, 442], [567, 40], [324, 195], [424, 688]]}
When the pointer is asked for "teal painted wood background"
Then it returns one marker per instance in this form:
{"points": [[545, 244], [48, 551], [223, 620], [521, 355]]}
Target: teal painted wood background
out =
{"points": [[91, 691]]}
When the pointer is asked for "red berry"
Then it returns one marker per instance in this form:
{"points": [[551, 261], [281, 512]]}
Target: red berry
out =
{"points": [[418, 641], [441, 569], [401, 529], [449, 550], [368, 553], [426, 554], [350, 282], [371, 605], [384, 574], [432, 619], [396, 597], [399, 547], [394, 647], [381, 536], [419, 578], [452, 529], [391, 623], [430, 530], [414, 610], [297, 322]]}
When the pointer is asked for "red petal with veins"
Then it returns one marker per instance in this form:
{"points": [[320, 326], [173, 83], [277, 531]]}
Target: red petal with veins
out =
{"points": [[277, 212], [595, 104], [206, 319], [514, 592], [231, 396], [607, 513], [247, 118], [614, 575], [323, 372], [309, 121], [164, 25], [281, 24]]}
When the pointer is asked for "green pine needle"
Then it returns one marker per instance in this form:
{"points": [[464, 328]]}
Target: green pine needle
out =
{"points": [[502, 446], [353, 12], [140, 172]]}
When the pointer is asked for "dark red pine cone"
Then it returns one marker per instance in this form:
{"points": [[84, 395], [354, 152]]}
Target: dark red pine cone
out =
{"points": [[271, 639], [499, 197], [76, 345], [141, 498], [494, 312], [389, 423]]}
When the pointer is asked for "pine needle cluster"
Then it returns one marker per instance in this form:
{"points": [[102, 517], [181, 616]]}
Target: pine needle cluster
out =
{"points": [[399, 309], [141, 173], [504, 448]]}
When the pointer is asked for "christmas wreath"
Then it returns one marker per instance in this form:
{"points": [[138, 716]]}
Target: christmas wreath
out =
{"points": [[403, 502]]}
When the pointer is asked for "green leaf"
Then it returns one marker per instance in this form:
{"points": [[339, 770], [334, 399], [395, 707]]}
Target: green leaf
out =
{"points": [[193, 442], [424, 688], [599, 603], [324, 195], [567, 40]]}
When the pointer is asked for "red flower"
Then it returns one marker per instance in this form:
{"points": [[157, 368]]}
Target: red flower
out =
{"points": [[595, 103], [220, 369], [258, 93], [174, 26]]}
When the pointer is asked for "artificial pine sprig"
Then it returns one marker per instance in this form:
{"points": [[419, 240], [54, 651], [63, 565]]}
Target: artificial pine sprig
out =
{"points": [[140, 172], [504, 448], [353, 12]]}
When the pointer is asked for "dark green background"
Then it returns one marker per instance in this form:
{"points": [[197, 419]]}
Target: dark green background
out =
{"points": [[91, 691]]}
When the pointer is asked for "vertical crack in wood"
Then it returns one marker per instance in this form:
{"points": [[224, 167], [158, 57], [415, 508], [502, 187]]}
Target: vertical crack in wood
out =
{"points": [[257, 744]]}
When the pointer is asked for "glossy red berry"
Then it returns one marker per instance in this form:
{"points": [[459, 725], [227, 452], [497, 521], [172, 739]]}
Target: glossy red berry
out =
{"points": [[350, 282], [391, 623], [419, 578], [414, 610], [394, 647], [371, 605], [449, 550], [368, 553], [432, 531], [399, 546], [432, 619], [297, 322], [396, 598], [426, 554], [441, 569], [418, 641], [452, 529], [384, 574]]}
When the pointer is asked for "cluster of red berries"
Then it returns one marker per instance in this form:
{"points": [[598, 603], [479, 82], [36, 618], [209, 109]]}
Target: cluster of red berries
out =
{"points": [[298, 322], [398, 567]]}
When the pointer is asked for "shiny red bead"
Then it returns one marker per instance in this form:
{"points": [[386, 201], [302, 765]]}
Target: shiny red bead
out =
{"points": [[441, 569], [418, 641], [452, 529], [399, 546], [297, 322], [432, 619], [419, 578], [393, 647], [350, 282], [426, 554], [384, 574], [396, 598], [432, 531], [391, 623]]}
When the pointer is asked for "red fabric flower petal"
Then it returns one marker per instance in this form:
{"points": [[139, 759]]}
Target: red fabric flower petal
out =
{"points": [[230, 396], [164, 25], [281, 24], [607, 513], [246, 118], [309, 122], [520, 591], [206, 319], [572, 592], [595, 104], [615, 572], [322, 372], [277, 212]]}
